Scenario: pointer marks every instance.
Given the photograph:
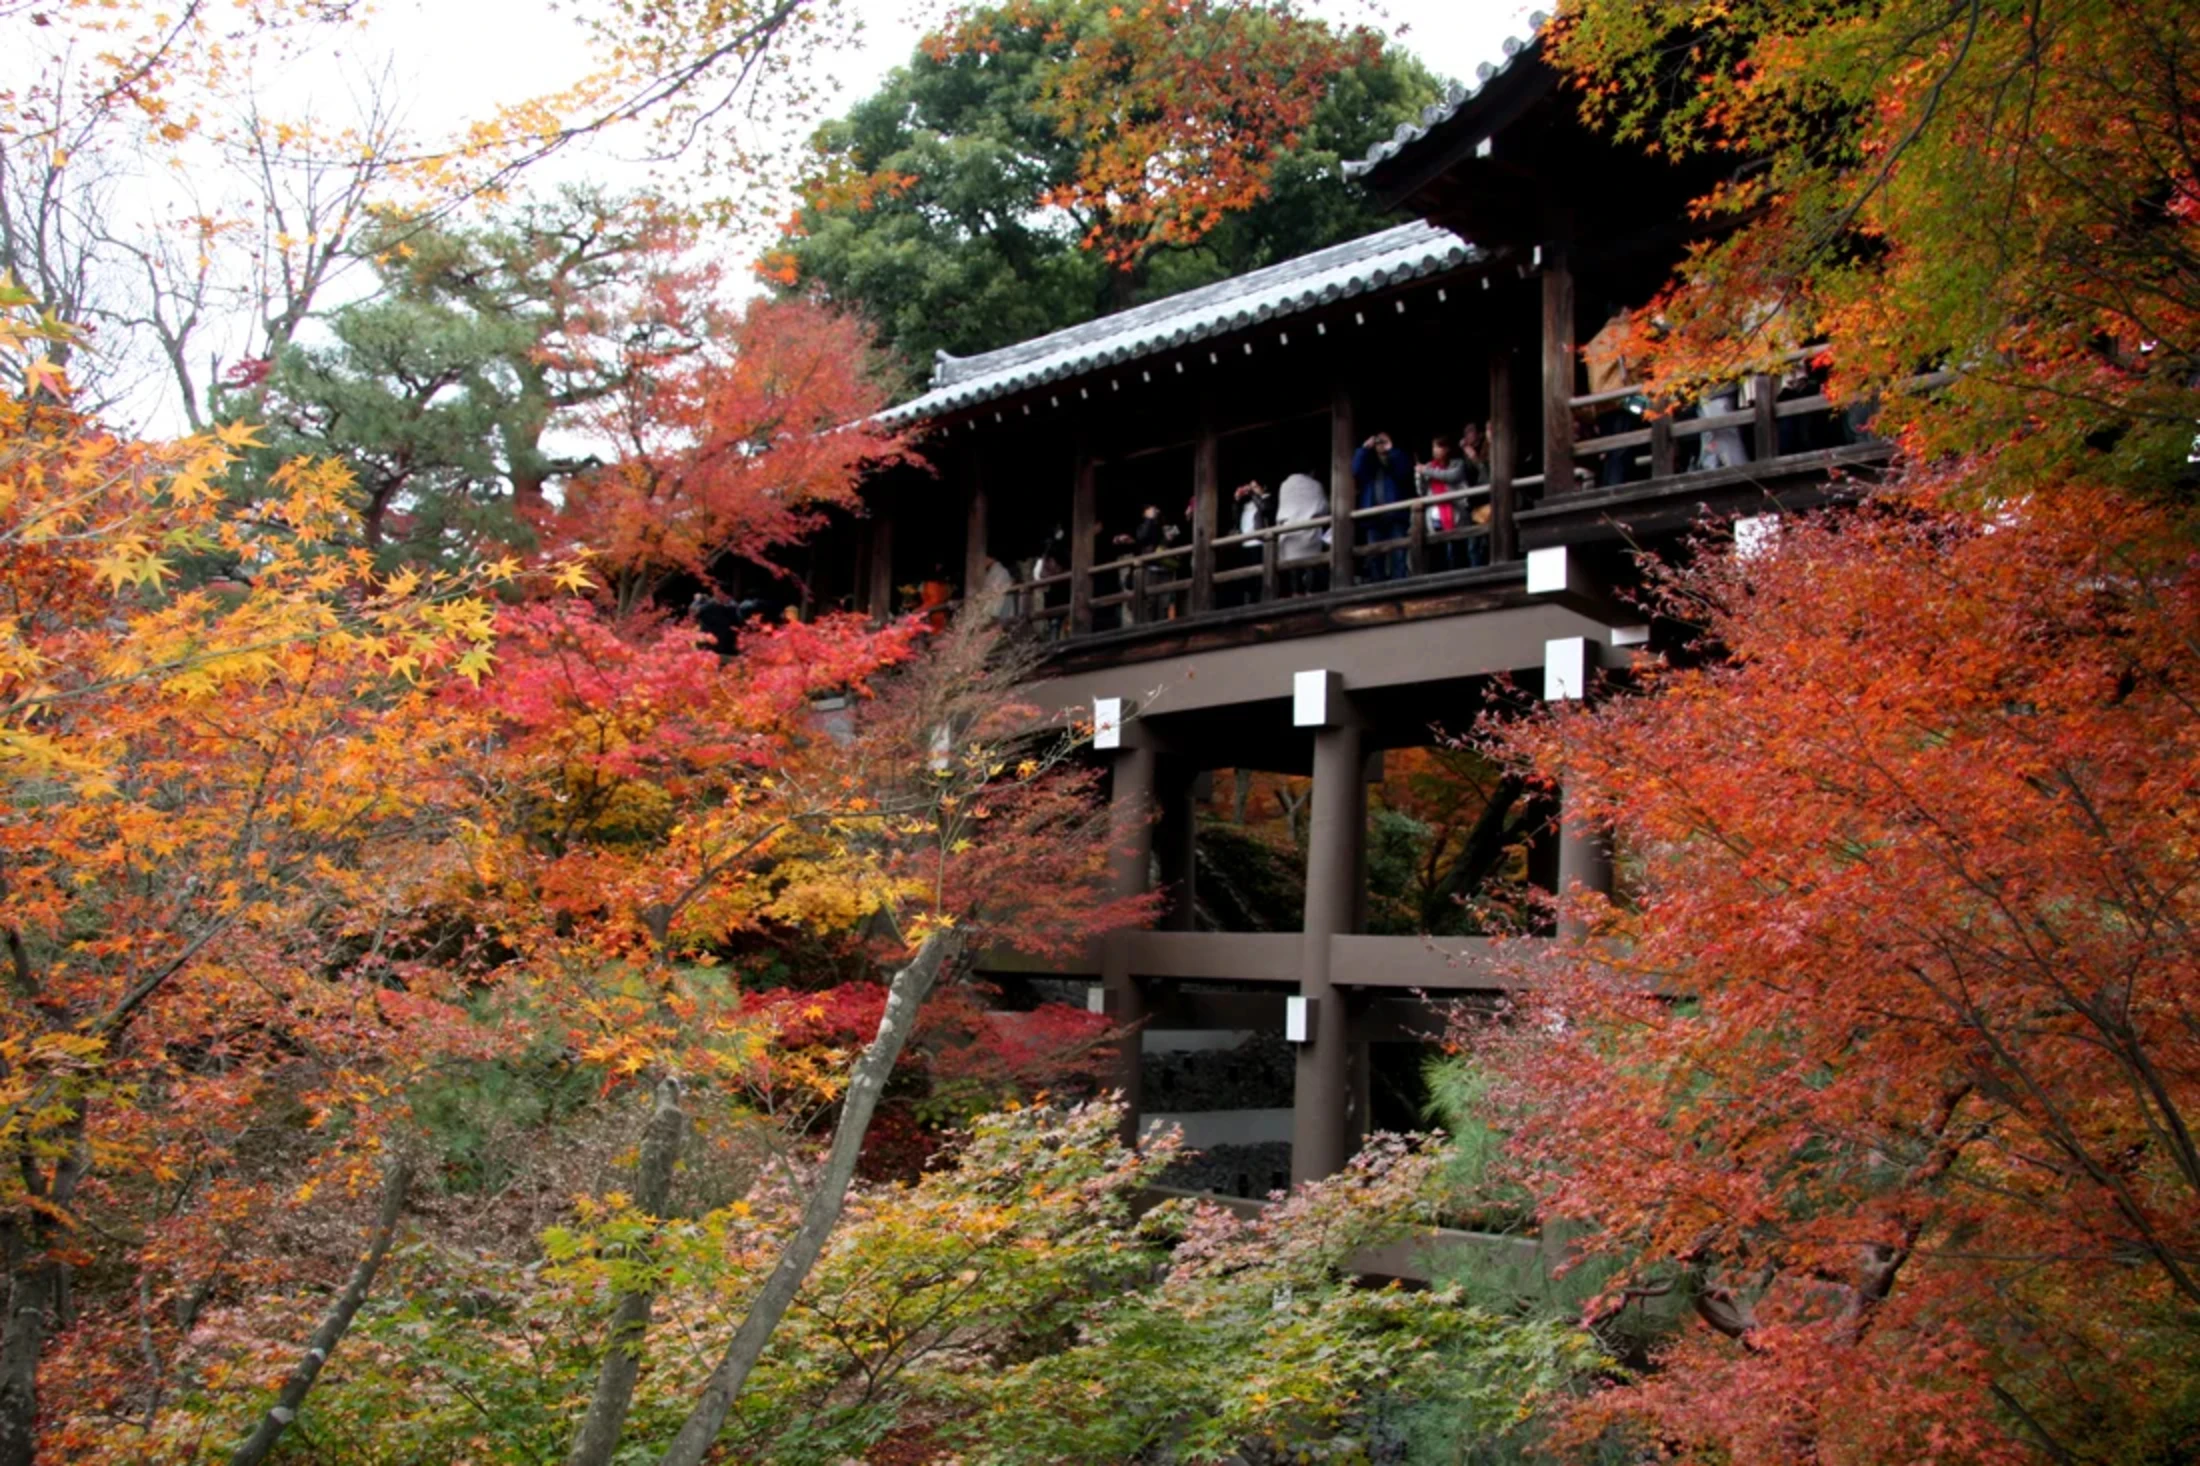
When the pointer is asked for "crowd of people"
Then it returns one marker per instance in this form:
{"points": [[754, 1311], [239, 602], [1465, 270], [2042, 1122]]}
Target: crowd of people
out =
{"points": [[1145, 567], [1455, 471]]}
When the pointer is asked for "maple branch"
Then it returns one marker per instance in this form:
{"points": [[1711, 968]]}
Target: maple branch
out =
{"points": [[1933, 95], [755, 40], [119, 1018], [2054, 1448], [255, 1448]]}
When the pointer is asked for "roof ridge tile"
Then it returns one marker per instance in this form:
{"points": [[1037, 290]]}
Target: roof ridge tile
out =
{"points": [[1354, 267]]}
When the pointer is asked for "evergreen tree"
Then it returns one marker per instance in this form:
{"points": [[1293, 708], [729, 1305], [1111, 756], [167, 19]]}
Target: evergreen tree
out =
{"points": [[444, 389], [929, 211]]}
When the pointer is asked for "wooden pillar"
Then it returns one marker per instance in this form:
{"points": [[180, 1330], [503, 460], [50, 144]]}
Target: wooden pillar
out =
{"points": [[1661, 445], [1083, 520], [1133, 785], [1359, 1077], [1558, 371], [1176, 844], [975, 534], [859, 592], [1343, 492], [1371, 773], [1584, 863], [1321, 1100], [1766, 403], [1206, 506], [1504, 449], [881, 594]]}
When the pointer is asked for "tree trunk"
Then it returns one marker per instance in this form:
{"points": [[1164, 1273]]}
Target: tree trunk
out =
{"points": [[373, 516], [31, 1297], [598, 1435], [35, 1282], [1480, 855], [822, 1214], [333, 1326]]}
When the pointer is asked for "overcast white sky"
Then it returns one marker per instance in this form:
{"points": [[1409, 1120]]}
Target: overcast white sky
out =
{"points": [[469, 51], [457, 58], [452, 62]]}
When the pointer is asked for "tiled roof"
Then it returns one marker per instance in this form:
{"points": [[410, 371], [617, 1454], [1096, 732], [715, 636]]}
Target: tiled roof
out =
{"points": [[1441, 111], [1357, 267]]}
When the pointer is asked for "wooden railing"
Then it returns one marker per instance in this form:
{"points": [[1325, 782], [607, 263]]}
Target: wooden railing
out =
{"points": [[1158, 585], [1667, 434], [1220, 575]]}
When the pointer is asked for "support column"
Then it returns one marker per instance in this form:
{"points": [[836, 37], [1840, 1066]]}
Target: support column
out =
{"points": [[859, 594], [1206, 507], [1371, 772], [1764, 403], [1343, 492], [1584, 854], [1504, 457], [1322, 1123], [975, 535], [881, 593], [1176, 843], [1083, 521], [1131, 798], [1558, 371], [1584, 863]]}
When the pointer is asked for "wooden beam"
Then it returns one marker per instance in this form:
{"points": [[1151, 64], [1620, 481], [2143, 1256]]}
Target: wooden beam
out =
{"points": [[1343, 492], [1558, 371], [1504, 449], [1262, 424], [1083, 517], [1206, 505]]}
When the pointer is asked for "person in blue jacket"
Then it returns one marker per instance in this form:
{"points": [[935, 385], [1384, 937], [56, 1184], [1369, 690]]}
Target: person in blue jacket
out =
{"points": [[1385, 476]]}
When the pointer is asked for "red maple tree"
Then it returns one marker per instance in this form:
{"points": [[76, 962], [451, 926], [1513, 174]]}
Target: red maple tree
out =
{"points": [[1892, 1074], [729, 434]]}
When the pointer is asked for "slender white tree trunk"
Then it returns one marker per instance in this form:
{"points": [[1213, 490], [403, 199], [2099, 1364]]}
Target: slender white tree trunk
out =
{"points": [[903, 997], [598, 1435]]}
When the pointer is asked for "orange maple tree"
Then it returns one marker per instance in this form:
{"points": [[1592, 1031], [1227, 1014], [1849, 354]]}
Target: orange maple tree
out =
{"points": [[1182, 108], [733, 433], [217, 798], [2007, 191], [1892, 1074], [287, 840]]}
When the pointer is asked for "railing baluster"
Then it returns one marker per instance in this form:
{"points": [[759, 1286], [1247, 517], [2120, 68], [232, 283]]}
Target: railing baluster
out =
{"points": [[1766, 406]]}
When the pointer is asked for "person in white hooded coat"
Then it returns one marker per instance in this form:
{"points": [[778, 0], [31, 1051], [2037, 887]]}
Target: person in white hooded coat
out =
{"points": [[1299, 553]]}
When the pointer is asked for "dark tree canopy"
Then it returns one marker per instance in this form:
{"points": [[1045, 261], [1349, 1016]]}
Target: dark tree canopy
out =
{"points": [[445, 389], [925, 210]]}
